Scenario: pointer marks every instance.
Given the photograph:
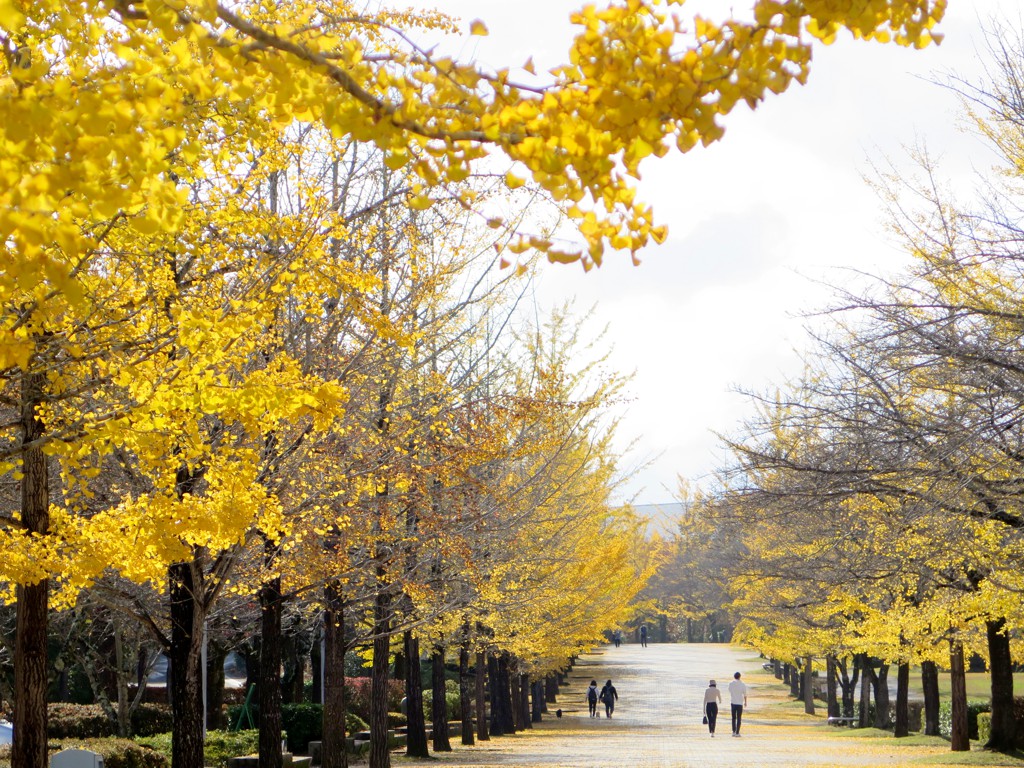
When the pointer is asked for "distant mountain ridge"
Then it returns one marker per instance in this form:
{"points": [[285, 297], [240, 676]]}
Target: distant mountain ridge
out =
{"points": [[663, 519]]}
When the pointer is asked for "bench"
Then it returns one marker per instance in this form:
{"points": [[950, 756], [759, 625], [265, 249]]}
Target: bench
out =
{"points": [[842, 720]]}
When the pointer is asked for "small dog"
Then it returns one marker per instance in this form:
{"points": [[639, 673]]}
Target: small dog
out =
{"points": [[558, 713]]}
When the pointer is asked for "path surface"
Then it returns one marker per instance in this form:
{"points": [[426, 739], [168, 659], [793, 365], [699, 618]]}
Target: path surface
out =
{"points": [[657, 721]]}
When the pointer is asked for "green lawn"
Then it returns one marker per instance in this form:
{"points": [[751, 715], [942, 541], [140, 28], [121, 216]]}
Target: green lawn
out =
{"points": [[978, 684]]}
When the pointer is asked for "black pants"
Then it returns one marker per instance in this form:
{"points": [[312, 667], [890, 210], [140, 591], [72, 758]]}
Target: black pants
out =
{"points": [[711, 710], [737, 716]]}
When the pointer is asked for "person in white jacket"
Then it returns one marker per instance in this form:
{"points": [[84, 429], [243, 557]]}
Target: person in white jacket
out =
{"points": [[738, 696]]}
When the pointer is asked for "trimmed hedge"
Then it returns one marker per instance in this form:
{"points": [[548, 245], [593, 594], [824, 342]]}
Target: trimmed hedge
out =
{"points": [[116, 753], [219, 746], [974, 708], [302, 723], [87, 721]]}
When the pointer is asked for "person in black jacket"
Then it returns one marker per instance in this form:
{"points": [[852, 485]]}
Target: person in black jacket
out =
{"points": [[609, 695]]}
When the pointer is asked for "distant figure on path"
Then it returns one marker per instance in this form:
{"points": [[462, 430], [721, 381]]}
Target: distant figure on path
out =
{"points": [[738, 695], [617, 637], [592, 698], [643, 635], [712, 698], [608, 696]]}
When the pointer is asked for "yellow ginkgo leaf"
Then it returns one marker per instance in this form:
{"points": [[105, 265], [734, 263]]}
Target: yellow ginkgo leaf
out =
{"points": [[477, 27]]}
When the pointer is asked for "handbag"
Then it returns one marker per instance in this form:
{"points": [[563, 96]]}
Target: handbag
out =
{"points": [[705, 720]]}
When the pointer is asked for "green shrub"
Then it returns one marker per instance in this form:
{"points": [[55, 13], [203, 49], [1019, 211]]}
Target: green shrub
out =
{"points": [[116, 753], [984, 726], [397, 720], [219, 746], [78, 721], [302, 723], [973, 709], [148, 719], [87, 721], [222, 745], [452, 700]]}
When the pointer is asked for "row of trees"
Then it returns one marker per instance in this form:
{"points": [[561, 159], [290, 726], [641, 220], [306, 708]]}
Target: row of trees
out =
{"points": [[873, 513], [248, 344]]}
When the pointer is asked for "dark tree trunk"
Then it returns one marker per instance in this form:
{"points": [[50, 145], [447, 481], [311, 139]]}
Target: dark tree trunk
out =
{"points": [[930, 684], [268, 689], [504, 694], [525, 719], [865, 690], [186, 673], [439, 702], [332, 745], [689, 630], [215, 656], [808, 686], [380, 756], [880, 689], [831, 687], [516, 701], [494, 688], [848, 685], [401, 671], [960, 739], [30, 662], [794, 680], [1003, 736], [416, 738], [785, 674], [316, 669], [481, 697], [465, 696], [538, 701], [777, 669], [902, 700], [551, 689]]}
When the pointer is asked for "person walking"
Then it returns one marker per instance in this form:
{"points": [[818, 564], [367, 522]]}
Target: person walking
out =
{"points": [[592, 698], [608, 696], [617, 637], [712, 698], [643, 635], [738, 697]]}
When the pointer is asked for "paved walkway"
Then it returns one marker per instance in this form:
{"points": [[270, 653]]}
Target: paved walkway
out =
{"points": [[657, 721]]}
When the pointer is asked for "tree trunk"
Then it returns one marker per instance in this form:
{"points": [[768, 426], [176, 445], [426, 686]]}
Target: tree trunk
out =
{"points": [[865, 690], [416, 736], [777, 669], [494, 688], [30, 662], [1003, 736], [439, 702], [808, 686], [504, 694], [186, 675], [525, 719], [551, 689], [537, 692], [268, 689], [380, 756], [831, 687], [481, 697], [516, 701], [785, 674], [960, 740], [316, 668], [465, 696], [215, 656], [332, 744], [794, 680], [880, 685], [930, 684], [902, 700]]}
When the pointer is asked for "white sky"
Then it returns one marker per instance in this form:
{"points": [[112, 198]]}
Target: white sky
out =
{"points": [[756, 221]]}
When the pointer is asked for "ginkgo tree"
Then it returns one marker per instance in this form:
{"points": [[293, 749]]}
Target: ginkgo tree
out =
{"points": [[115, 115]]}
